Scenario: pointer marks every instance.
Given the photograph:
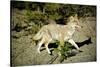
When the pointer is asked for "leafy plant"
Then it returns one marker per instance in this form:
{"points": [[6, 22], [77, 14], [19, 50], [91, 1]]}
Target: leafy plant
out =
{"points": [[64, 51]]}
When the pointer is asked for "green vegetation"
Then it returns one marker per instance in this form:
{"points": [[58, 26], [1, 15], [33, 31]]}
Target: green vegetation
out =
{"points": [[31, 16], [34, 14], [63, 51]]}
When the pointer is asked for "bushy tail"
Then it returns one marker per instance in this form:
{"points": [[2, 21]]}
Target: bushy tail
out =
{"points": [[38, 35]]}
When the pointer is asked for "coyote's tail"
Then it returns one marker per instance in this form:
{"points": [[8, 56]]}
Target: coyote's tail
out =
{"points": [[38, 35]]}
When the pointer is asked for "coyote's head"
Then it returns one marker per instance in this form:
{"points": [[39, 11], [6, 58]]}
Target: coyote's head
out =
{"points": [[74, 21]]}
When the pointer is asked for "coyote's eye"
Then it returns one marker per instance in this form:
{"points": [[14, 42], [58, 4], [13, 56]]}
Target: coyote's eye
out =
{"points": [[75, 21]]}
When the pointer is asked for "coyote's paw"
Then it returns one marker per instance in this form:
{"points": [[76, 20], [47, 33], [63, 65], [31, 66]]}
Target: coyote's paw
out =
{"points": [[49, 52], [38, 51]]}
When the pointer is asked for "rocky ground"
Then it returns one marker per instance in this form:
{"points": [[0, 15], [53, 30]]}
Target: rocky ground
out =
{"points": [[23, 50]]}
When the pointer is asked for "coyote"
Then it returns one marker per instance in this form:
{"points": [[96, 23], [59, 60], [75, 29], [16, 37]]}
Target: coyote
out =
{"points": [[56, 32]]}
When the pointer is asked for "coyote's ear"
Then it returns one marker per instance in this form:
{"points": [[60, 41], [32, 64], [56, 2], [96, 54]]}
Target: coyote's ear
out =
{"points": [[75, 16], [71, 17]]}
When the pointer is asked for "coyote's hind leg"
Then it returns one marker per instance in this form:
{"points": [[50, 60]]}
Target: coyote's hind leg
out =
{"points": [[39, 45], [46, 45]]}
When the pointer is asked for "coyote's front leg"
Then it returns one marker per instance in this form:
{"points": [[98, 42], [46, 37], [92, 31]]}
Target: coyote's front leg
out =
{"points": [[73, 43]]}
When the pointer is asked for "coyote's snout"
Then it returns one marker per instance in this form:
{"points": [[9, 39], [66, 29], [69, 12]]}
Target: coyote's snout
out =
{"points": [[52, 32]]}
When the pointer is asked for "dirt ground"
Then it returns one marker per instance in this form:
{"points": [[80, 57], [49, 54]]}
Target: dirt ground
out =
{"points": [[24, 52]]}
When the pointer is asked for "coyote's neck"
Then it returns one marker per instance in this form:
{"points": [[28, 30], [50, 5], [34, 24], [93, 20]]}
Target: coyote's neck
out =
{"points": [[71, 28], [71, 25]]}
